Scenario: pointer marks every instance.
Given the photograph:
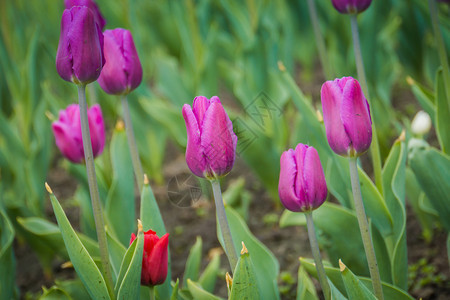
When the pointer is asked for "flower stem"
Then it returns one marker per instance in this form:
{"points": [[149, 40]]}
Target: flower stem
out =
{"points": [[137, 166], [364, 228], [320, 43], [152, 292], [316, 254], [440, 47], [375, 147], [223, 223], [93, 188]]}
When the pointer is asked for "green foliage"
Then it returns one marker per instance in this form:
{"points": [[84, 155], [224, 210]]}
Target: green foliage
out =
{"points": [[244, 284], [7, 261], [354, 287]]}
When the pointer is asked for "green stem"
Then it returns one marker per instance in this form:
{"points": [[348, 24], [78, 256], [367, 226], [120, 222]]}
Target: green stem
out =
{"points": [[317, 258], [93, 188], [320, 43], [364, 228], [375, 147], [152, 292], [92, 93], [223, 224], [137, 166], [440, 47]]}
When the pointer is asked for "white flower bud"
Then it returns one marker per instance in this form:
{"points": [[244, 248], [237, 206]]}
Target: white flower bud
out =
{"points": [[421, 123]]}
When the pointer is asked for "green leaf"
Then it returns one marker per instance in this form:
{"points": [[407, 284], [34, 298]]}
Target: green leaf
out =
{"points": [[191, 271], [74, 288], [244, 284], [425, 98], [198, 292], [116, 252], [432, 170], [209, 276], [82, 262], [126, 260], [54, 293], [305, 287], [120, 203], [174, 295], [355, 289], [265, 264], [334, 275], [7, 260], [130, 285], [442, 113]]}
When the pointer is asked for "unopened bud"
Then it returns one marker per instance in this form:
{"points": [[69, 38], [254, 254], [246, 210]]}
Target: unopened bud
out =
{"points": [[421, 124]]}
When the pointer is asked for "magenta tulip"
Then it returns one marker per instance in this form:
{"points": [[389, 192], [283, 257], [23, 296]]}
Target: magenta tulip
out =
{"points": [[302, 185], [351, 6], [92, 5], [122, 72], [67, 131], [211, 142], [346, 116], [154, 259], [79, 58]]}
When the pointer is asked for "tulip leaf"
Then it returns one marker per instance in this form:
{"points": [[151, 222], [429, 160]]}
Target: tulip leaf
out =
{"points": [[7, 260], [126, 260], [83, 263], [54, 293], [209, 276], [198, 293], [120, 204], [174, 295], [442, 113], [355, 289], [116, 252], [74, 288], [265, 264], [244, 285], [130, 285], [191, 271], [425, 98], [334, 275], [305, 287]]}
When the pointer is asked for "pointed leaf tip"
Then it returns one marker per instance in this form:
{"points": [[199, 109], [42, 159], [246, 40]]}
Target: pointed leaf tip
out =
{"points": [[229, 280], [49, 190], [120, 125], [146, 182], [342, 266], [409, 80], [244, 249], [401, 137], [140, 227], [319, 116], [281, 66]]}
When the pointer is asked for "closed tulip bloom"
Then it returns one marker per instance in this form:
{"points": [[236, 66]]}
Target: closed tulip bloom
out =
{"points": [[211, 142], [79, 58], [154, 259], [302, 185], [346, 116], [67, 131], [122, 72], [92, 5], [351, 6]]}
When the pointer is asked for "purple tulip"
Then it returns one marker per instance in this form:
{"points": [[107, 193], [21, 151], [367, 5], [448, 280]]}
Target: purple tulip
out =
{"points": [[79, 58], [67, 131], [302, 185], [122, 72], [211, 142], [351, 6], [92, 5], [346, 115]]}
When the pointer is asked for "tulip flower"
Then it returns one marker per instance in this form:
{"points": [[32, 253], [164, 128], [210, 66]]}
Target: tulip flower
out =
{"points": [[351, 6], [154, 259], [92, 5], [346, 116], [67, 131], [421, 124], [302, 185], [211, 142], [122, 71], [79, 58]]}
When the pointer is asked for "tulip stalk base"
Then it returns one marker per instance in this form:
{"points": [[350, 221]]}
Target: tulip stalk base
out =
{"points": [[137, 166], [93, 188], [317, 258], [375, 147], [364, 228], [224, 227], [152, 293]]}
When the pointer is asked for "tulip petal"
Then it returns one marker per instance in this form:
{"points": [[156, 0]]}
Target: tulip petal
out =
{"points": [[314, 179], [331, 96], [64, 59], [286, 184], [133, 67], [97, 129], [217, 140], [355, 117], [158, 260], [194, 152], [68, 143], [199, 107], [299, 156]]}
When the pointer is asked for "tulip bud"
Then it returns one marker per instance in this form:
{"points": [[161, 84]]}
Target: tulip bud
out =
{"points": [[154, 259], [351, 6], [92, 5], [346, 115], [79, 58], [421, 123], [211, 142], [302, 185], [67, 131], [122, 71]]}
